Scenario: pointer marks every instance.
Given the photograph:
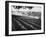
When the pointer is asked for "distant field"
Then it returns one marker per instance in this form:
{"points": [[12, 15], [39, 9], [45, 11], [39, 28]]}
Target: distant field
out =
{"points": [[28, 13], [22, 23]]}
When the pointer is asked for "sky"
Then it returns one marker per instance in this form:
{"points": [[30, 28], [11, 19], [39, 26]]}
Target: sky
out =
{"points": [[34, 9]]}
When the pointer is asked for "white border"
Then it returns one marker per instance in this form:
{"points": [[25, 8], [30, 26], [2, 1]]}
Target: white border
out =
{"points": [[24, 32]]}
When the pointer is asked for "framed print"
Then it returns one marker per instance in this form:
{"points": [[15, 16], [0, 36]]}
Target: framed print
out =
{"points": [[24, 18]]}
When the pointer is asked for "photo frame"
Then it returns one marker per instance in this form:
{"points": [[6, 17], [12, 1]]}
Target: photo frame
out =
{"points": [[24, 18]]}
